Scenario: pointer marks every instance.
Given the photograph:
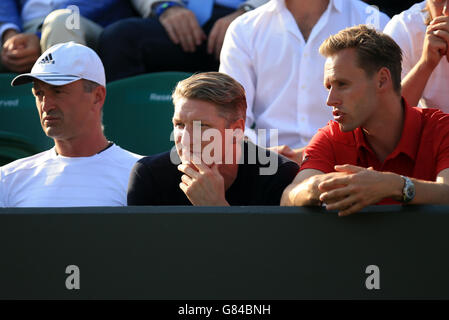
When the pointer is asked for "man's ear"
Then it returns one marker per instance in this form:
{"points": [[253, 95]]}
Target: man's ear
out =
{"points": [[238, 128], [238, 124], [383, 79], [99, 95]]}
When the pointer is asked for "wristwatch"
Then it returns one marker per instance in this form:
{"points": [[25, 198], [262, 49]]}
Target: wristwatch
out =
{"points": [[408, 192], [246, 8], [162, 7]]}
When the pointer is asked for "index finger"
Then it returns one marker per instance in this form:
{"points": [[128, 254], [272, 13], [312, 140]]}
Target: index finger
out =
{"points": [[335, 195], [22, 53], [184, 168], [171, 32], [212, 39], [219, 43], [438, 26], [196, 31], [439, 19], [348, 168], [333, 183], [16, 54], [201, 166]]}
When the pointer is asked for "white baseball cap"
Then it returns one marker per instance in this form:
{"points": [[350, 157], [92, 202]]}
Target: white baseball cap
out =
{"points": [[65, 63]]}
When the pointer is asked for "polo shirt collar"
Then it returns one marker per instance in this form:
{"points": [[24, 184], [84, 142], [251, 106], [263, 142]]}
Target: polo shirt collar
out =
{"points": [[360, 139], [410, 136], [411, 132]]}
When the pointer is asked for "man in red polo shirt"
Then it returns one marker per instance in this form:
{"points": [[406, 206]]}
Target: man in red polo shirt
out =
{"points": [[378, 149]]}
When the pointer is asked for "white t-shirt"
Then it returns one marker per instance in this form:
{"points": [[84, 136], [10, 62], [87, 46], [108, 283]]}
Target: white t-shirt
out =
{"points": [[408, 29], [50, 180], [283, 74]]}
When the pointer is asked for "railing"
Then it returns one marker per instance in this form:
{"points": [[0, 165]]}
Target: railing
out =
{"points": [[224, 253]]}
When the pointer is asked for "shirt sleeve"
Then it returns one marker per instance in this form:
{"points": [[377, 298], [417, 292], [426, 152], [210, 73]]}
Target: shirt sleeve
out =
{"points": [[2, 190], [397, 30], [319, 154], [383, 20], [442, 158], [236, 61], [6, 26], [9, 13], [140, 186], [284, 176]]}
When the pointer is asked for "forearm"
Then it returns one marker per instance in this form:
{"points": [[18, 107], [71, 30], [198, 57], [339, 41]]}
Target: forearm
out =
{"points": [[430, 192], [426, 192], [300, 195], [298, 154], [415, 81]]}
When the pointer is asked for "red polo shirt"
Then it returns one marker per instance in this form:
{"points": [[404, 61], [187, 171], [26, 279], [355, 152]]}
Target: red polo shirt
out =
{"points": [[422, 152]]}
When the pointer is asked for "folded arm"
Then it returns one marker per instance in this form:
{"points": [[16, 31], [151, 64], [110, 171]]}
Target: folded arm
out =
{"points": [[361, 187]]}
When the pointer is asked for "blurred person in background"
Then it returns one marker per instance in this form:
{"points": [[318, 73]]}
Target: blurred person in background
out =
{"points": [[174, 35], [422, 32], [29, 27]]}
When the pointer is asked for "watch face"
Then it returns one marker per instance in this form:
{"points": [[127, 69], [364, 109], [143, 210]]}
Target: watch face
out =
{"points": [[409, 190], [247, 8]]}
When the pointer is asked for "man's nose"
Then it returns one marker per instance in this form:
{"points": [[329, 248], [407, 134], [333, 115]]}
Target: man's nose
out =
{"points": [[185, 136], [332, 99], [47, 104]]}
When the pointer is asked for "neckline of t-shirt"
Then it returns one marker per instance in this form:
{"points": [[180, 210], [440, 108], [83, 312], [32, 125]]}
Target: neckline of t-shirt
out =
{"points": [[100, 153]]}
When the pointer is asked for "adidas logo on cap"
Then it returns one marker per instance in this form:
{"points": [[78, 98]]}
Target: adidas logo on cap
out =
{"points": [[48, 59]]}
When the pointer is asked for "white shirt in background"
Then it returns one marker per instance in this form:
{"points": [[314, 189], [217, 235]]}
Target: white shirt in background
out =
{"points": [[33, 9], [408, 29], [282, 74]]}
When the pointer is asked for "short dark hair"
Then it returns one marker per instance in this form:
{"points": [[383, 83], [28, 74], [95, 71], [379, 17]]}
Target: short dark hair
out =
{"points": [[375, 50], [89, 85], [218, 88]]}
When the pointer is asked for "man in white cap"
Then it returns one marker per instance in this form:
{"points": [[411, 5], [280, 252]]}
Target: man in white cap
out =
{"points": [[83, 168]]}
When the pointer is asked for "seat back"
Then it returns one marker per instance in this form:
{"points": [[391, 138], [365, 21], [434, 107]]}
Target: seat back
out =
{"points": [[138, 112], [18, 114], [13, 147]]}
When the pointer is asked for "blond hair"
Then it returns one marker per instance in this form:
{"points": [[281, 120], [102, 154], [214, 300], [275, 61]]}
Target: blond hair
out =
{"points": [[375, 50], [218, 88]]}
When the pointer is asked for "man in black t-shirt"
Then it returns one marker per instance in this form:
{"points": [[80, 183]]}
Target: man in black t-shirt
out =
{"points": [[212, 165]]}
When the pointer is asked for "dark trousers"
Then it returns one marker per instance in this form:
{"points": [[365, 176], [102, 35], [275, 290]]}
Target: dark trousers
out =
{"points": [[134, 46]]}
